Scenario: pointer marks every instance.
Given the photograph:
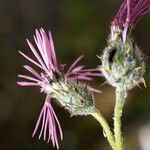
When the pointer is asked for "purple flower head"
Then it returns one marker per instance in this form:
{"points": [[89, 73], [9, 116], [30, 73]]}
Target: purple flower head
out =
{"points": [[56, 83], [129, 14]]}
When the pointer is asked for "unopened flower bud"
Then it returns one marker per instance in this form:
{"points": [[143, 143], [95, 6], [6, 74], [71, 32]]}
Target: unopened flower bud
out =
{"points": [[123, 63]]}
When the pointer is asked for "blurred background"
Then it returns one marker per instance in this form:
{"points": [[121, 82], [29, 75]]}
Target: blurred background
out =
{"points": [[78, 27]]}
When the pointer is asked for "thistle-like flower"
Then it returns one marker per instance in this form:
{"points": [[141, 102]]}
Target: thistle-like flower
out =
{"points": [[63, 87], [122, 61]]}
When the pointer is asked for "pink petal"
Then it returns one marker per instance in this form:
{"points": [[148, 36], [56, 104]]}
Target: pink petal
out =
{"points": [[90, 74], [38, 122], [27, 83], [89, 70], [74, 71], [31, 60], [43, 122], [48, 119], [93, 89], [53, 126], [50, 127], [81, 77], [36, 55], [39, 43], [74, 64], [52, 49], [28, 78], [45, 128], [77, 69], [60, 129], [76, 78], [30, 69], [47, 48]]}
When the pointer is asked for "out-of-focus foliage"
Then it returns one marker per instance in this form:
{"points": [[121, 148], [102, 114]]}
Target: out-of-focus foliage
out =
{"points": [[78, 27]]}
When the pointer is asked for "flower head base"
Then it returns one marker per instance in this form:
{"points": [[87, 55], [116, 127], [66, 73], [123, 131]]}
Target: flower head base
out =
{"points": [[73, 96], [128, 16], [57, 84], [123, 64]]}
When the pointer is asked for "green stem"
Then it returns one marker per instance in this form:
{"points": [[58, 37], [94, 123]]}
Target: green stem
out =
{"points": [[117, 118], [98, 116]]}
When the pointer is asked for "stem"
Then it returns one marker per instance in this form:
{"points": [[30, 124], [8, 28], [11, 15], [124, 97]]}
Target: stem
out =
{"points": [[98, 116], [117, 118]]}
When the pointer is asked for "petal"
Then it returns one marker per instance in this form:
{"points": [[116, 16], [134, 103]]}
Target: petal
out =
{"points": [[47, 48], [28, 83], [36, 55], [74, 64], [93, 89], [52, 49], [30, 69], [39, 42], [49, 122], [60, 129], [31, 60], [28, 78], [79, 73]]}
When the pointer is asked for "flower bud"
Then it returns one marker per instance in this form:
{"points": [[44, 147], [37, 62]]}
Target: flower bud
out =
{"points": [[123, 63]]}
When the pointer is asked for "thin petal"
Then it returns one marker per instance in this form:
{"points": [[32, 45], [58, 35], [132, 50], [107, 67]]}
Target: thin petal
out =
{"points": [[31, 70], [90, 70], [74, 71], [93, 89], [28, 84], [47, 48], [31, 60], [28, 78], [48, 120], [38, 122], [38, 39], [60, 129], [84, 78], [45, 128], [43, 122], [52, 49], [36, 55], [74, 64]]}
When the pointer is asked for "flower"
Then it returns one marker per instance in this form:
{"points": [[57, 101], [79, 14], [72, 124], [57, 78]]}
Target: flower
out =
{"points": [[128, 15], [57, 84]]}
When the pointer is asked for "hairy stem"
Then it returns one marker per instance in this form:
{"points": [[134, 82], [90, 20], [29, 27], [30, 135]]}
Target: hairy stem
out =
{"points": [[120, 95], [107, 131]]}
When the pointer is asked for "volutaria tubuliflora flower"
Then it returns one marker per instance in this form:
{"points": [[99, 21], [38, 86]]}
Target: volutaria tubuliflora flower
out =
{"points": [[122, 60], [59, 85]]}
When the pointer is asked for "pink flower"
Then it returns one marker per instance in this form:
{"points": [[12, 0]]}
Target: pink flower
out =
{"points": [[51, 73], [129, 14]]}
